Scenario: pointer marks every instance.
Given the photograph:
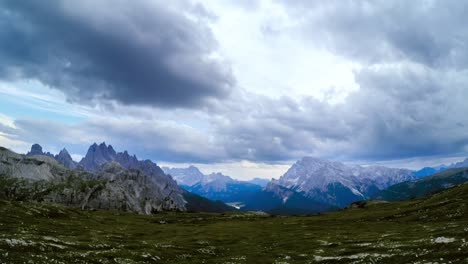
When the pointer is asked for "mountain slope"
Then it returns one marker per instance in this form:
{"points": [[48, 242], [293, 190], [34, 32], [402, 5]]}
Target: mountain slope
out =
{"points": [[65, 158], [425, 186], [426, 171], [278, 200], [197, 203]]}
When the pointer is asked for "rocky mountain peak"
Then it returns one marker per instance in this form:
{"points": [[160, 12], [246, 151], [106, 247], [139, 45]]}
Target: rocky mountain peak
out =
{"points": [[65, 158], [97, 155], [322, 179], [185, 176], [218, 177], [36, 149], [111, 150], [64, 151], [310, 159]]}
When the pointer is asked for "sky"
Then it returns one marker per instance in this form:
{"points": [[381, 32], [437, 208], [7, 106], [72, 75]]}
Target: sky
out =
{"points": [[241, 87]]}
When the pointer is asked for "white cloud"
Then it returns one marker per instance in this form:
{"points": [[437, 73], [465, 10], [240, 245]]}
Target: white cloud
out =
{"points": [[268, 55], [16, 145], [341, 81]]}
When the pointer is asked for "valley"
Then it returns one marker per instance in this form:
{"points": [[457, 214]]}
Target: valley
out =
{"points": [[429, 230]]}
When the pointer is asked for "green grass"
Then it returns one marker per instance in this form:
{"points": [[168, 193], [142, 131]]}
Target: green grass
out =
{"points": [[402, 232]]}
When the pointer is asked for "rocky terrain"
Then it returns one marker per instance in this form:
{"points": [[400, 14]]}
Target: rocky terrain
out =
{"points": [[103, 180], [63, 157], [433, 229]]}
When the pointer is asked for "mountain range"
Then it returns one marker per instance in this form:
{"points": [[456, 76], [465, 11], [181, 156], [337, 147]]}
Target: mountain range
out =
{"points": [[425, 186], [335, 183], [118, 180], [215, 186], [426, 171], [310, 185]]}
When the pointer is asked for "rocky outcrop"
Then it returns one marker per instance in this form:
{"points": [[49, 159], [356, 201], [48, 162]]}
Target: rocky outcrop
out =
{"points": [[96, 156], [99, 155], [36, 149], [132, 190], [112, 186], [31, 167]]}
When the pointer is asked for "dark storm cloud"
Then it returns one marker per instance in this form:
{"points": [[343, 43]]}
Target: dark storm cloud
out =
{"points": [[412, 82], [412, 76], [138, 52], [433, 33]]}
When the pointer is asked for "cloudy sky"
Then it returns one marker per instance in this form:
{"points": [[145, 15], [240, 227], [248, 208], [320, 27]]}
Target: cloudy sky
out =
{"points": [[241, 87]]}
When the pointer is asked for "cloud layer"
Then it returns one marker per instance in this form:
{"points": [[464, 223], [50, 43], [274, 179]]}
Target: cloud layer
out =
{"points": [[409, 62], [146, 52]]}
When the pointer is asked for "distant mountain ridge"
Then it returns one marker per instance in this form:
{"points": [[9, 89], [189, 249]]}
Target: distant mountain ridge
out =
{"points": [[185, 176], [310, 185], [425, 186], [259, 181], [427, 171], [214, 186]]}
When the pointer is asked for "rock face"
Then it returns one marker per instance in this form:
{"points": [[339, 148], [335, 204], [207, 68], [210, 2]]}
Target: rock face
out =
{"points": [[143, 189], [129, 189], [335, 183], [162, 186], [97, 155], [31, 167], [101, 154], [63, 157]]}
